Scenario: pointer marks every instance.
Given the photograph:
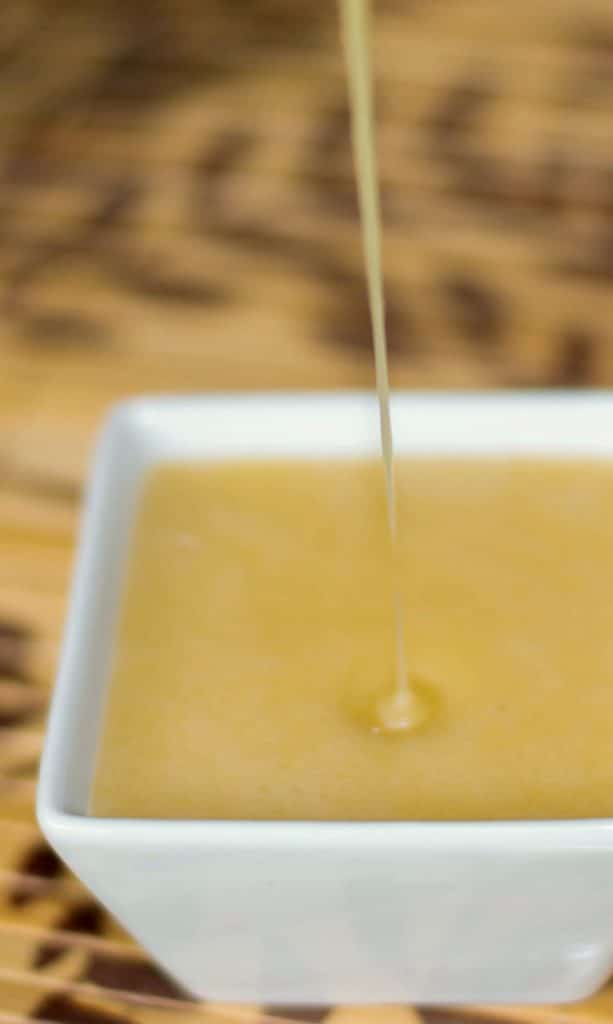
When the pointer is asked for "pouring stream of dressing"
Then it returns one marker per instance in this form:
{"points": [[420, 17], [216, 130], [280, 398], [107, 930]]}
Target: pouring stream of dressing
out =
{"points": [[402, 709]]}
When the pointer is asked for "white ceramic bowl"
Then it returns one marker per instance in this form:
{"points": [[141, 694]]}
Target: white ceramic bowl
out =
{"points": [[294, 912]]}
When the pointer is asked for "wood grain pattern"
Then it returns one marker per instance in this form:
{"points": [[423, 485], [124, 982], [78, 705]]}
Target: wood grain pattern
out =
{"points": [[177, 212]]}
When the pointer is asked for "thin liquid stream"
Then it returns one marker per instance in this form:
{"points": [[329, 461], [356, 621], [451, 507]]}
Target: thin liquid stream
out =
{"points": [[397, 712]]}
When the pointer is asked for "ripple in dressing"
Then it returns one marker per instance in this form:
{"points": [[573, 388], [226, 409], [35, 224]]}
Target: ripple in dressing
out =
{"points": [[403, 708]]}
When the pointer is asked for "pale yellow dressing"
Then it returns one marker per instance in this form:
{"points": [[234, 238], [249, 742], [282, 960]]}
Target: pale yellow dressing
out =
{"points": [[402, 708], [255, 631]]}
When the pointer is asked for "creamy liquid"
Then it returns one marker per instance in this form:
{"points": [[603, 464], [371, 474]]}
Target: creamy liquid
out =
{"points": [[255, 627], [400, 710]]}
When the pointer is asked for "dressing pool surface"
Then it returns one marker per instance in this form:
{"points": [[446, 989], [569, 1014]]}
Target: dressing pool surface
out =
{"points": [[256, 627]]}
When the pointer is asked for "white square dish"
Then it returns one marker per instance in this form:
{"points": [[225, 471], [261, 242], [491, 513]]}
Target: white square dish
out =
{"points": [[318, 912]]}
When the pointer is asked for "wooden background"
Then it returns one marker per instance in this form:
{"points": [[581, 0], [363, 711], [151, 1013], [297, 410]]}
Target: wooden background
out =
{"points": [[177, 213]]}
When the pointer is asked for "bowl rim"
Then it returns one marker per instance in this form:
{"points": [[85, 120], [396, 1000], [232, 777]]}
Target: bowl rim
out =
{"points": [[592, 411]]}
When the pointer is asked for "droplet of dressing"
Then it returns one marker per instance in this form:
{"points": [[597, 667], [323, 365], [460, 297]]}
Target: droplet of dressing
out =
{"points": [[400, 712], [394, 713]]}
